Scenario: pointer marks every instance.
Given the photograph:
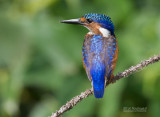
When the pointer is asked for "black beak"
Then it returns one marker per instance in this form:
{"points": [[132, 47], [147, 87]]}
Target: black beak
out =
{"points": [[72, 21]]}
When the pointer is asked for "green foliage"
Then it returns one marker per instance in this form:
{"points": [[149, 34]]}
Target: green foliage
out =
{"points": [[40, 59]]}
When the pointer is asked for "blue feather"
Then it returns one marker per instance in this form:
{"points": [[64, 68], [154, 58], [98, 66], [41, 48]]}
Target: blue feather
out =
{"points": [[98, 78], [104, 20], [97, 71], [98, 54]]}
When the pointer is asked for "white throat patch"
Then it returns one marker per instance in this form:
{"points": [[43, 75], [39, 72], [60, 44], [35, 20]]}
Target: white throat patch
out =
{"points": [[104, 32]]}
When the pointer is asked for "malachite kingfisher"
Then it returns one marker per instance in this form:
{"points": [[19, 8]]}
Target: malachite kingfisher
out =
{"points": [[100, 49]]}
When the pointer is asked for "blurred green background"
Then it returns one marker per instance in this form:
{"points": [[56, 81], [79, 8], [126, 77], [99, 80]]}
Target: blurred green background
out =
{"points": [[40, 58]]}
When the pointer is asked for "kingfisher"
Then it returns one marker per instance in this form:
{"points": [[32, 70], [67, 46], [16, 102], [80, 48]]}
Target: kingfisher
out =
{"points": [[100, 50]]}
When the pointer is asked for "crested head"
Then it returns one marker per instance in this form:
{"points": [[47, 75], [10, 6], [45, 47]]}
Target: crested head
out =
{"points": [[103, 20], [98, 24]]}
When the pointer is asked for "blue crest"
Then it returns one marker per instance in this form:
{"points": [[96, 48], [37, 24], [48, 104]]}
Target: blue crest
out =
{"points": [[104, 20]]}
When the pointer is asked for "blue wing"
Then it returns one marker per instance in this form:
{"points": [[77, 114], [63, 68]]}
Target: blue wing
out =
{"points": [[98, 55]]}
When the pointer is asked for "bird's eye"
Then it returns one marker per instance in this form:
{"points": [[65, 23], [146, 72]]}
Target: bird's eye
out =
{"points": [[89, 20]]}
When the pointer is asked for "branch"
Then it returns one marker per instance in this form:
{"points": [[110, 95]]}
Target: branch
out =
{"points": [[69, 105]]}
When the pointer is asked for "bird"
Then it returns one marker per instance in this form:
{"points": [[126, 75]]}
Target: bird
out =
{"points": [[99, 51]]}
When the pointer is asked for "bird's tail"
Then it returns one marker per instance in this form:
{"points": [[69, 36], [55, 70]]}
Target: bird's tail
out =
{"points": [[98, 79]]}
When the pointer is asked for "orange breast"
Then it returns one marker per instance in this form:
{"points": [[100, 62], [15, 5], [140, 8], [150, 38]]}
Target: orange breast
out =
{"points": [[83, 63], [114, 61]]}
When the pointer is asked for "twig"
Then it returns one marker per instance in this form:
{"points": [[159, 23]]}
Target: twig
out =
{"points": [[89, 92]]}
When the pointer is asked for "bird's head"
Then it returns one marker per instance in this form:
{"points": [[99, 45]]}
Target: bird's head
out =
{"points": [[97, 24]]}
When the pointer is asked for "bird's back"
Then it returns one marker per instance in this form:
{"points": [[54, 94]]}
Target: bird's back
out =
{"points": [[99, 58]]}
